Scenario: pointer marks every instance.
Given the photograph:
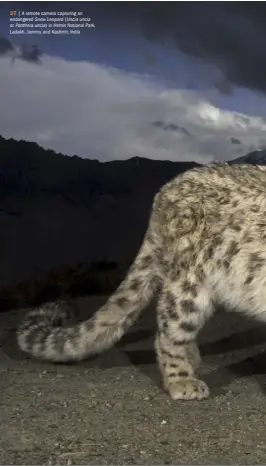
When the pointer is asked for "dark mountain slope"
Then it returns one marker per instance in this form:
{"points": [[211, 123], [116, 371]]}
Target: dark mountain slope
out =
{"points": [[56, 209]]}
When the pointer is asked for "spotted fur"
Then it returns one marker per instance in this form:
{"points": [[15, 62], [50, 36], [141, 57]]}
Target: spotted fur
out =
{"points": [[205, 245]]}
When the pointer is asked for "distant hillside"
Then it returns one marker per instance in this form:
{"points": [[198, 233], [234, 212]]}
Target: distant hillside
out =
{"points": [[58, 210], [257, 157]]}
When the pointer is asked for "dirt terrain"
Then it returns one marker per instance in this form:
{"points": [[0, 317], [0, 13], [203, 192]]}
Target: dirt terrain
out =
{"points": [[112, 410]]}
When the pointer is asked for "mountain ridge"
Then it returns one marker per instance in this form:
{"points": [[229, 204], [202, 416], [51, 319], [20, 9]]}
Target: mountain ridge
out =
{"points": [[56, 209]]}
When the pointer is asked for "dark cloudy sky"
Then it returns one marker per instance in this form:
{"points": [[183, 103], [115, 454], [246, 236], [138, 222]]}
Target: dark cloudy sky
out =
{"points": [[164, 80]]}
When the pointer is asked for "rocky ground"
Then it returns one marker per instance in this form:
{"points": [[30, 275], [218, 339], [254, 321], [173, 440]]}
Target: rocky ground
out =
{"points": [[112, 410]]}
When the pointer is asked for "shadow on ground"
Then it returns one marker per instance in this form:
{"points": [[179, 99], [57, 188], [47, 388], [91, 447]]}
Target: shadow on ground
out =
{"points": [[224, 337]]}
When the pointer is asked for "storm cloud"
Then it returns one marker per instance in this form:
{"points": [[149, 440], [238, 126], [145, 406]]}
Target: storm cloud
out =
{"points": [[5, 46], [229, 35], [26, 52]]}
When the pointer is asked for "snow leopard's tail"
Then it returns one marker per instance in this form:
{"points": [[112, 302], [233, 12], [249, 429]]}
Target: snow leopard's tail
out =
{"points": [[42, 335]]}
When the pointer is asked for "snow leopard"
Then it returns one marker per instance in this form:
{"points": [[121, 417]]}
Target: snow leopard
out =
{"points": [[205, 246]]}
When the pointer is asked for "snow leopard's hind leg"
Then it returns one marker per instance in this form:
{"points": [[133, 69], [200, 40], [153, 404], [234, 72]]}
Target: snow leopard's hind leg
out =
{"points": [[183, 308]]}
